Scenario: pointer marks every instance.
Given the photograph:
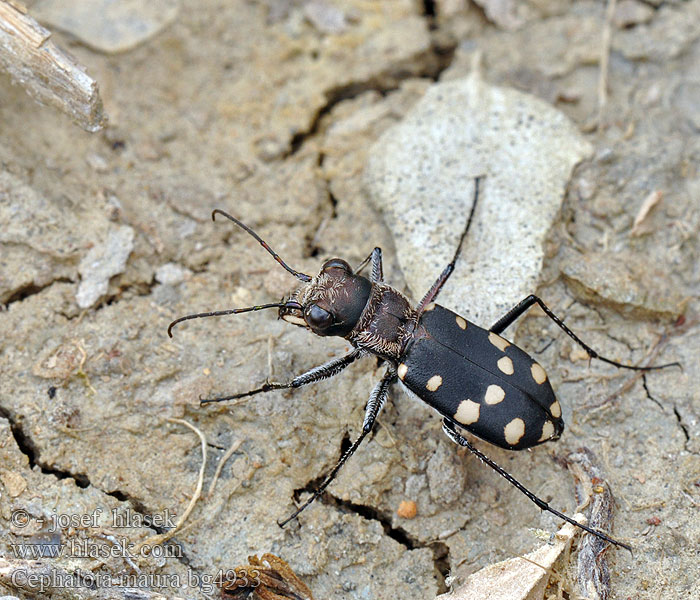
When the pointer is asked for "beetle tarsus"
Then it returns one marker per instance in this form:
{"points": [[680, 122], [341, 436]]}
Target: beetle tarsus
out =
{"points": [[324, 371]]}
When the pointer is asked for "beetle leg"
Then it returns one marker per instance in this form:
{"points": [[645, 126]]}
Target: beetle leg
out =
{"points": [[377, 275], [445, 275], [329, 369], [376, 400], [377, 268], [449, 428], [515, 312]]}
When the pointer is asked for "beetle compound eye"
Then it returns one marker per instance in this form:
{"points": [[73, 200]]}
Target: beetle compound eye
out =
{"points": [[318, 318], [337, 263]]}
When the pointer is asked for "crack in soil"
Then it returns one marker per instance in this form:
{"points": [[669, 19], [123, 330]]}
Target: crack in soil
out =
{"points": [[136, 289], [27, 447], [646, 389], [682, 425], [679, 418], [313, 245], [30, 450], [429, 9], [620, 341], [440, 550], [430, 65], [31, 289]]}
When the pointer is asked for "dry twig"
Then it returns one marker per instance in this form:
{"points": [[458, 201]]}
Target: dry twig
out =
{"points": [[47, 73], [604, 63], [593, 573]]}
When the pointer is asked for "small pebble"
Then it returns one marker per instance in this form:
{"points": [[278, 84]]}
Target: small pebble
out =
{"points": [[408, 509], [172, 273], [325, 17]]}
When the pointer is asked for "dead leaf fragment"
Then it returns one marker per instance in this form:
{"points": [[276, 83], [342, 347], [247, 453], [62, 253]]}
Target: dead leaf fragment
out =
{"points": [[266, 578]]}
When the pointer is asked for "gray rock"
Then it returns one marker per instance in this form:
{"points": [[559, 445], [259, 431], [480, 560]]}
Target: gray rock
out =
{"points": [[420, 174], [102, 262], [325, 17], [172, 274], [631, 12], [446, 474], [670, 34], [40, 240], [108, 26]]}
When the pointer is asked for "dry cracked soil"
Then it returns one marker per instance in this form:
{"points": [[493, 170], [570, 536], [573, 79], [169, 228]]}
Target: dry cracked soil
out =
{"points": [[270, 109]]}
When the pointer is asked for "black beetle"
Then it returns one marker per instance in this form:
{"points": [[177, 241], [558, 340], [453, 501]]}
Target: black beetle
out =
{"points": [[475, 379]]}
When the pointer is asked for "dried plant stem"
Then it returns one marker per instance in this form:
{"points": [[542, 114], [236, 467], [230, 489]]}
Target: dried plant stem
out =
{"points": [[47, 73], [164, 537]]}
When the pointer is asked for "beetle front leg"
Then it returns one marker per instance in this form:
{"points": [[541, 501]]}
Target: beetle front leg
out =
{"points": [[375, 257], [374, 405], [514, 313], [445, 275], [329, 369]]}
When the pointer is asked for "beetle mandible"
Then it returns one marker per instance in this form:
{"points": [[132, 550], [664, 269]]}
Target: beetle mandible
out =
{"points": [[475, 379]]}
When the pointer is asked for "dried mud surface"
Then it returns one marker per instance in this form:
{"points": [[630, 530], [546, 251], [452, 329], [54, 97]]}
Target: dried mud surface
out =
{"points": [[257, 111]]}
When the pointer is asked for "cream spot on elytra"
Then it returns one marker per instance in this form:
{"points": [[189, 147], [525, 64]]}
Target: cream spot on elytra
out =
{"points": [[514, 431], [538, 373], [467, 412], [555, 409], [505, 365], [498, 341], [434, 383], [494, 394], [547, 431]]}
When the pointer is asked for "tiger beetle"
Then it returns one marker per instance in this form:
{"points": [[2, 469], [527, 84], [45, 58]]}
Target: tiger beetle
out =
{"points": [[475, 379]]}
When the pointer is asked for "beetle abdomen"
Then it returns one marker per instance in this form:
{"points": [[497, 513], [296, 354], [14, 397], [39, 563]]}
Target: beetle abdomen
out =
{"points": [[480, 381]]}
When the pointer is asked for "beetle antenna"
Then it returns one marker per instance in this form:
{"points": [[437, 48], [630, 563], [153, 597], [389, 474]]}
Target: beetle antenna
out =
{"points": [[232, 311], [263, 243]]}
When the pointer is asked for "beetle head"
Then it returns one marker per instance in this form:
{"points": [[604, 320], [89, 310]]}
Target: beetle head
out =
{"points": [[331, 303]]}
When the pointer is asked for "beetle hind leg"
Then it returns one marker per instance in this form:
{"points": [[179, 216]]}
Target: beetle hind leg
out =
{"points": [[519, 309], [445, 275], [450, 430]]}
